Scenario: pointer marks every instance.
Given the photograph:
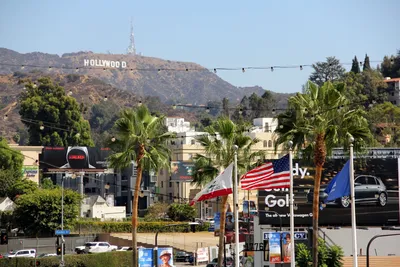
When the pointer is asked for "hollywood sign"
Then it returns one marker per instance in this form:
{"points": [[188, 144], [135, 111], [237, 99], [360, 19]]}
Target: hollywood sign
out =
{"points": [[104, 63]]}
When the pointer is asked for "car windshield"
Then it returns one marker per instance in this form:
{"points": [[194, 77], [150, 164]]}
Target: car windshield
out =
{"points": [[90, 244]]}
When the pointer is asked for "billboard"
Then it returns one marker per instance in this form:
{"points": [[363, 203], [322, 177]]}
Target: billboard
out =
{"points": [[164, 257], [249, 209], [181, 171], [145, 257], [376, 195], [74, 158]]}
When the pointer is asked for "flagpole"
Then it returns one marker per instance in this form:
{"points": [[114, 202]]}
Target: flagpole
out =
{"points": [[353, 205], [235, 208], [292, 256]]}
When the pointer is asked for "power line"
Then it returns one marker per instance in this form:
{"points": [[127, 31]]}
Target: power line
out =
{"points": [[184, 69]]}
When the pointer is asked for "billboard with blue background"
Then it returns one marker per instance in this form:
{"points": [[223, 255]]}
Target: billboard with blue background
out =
{"points": [[145, 257]]}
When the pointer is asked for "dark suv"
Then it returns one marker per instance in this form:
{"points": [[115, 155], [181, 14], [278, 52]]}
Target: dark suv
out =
{"points": [[367, 189]]}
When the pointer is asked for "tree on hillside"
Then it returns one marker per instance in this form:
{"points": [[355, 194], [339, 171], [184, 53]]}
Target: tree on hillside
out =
{"points": [[355, 67], [390, 66], [52, 117], [219, 144], [40, 212], [384, 120], [141, 138], [225, 107], [317, 121], [11, 162], [331, 70], [102, 119], [367, 65]]}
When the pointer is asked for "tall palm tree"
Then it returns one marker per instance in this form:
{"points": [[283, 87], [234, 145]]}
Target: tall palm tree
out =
{"points": [[219, 144], [317, 121], [140, 137]]}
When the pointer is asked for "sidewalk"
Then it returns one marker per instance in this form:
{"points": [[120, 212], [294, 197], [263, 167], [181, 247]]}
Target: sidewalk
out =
{"points": [[184, 241]]}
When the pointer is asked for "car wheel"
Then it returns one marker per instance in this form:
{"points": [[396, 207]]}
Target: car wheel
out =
{"points": [[345, 201], [382, 200]]}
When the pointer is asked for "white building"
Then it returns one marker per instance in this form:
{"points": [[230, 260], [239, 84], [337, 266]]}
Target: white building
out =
{"points": [[98, 207], [178, 125]]}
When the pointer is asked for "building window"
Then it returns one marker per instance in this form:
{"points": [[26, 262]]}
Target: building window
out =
{"points": [[162, 184], [177, 184], [193, 142], [265, 143], [266, 127], [162, 172], [170, 196], [269, 143], [170, 184]]}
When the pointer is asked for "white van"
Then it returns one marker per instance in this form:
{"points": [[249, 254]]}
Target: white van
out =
{"points": [[28, 253]]}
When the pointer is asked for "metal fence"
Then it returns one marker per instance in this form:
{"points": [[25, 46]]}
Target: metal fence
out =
{"points": [[45, 245]]}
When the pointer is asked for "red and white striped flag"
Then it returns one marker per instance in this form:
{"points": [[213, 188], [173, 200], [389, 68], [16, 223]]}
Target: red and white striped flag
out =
{"points": [[271, 175]]}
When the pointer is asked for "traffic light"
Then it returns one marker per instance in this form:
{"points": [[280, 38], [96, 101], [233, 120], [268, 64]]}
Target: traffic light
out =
{"points": [[4, 238], [59, 249]]}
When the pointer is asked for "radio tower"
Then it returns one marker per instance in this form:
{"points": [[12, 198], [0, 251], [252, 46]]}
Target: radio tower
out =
{"points": [[131, 48]]}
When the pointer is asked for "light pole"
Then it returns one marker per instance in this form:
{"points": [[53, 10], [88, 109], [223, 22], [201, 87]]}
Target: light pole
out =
{"points": [[62, 220], [235, 208]]}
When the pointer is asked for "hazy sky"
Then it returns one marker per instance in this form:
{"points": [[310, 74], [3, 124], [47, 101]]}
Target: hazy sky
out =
{"points": [[211, 33]]}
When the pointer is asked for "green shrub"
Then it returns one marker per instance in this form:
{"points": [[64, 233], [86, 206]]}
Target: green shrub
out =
{"points": [[303, 256], [335, 257], [84, 226], [117, 258]]}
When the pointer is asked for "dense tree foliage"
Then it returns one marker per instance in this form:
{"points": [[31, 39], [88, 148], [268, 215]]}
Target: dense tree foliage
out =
{"points": [[181, 212], [21, 187], [331, 70], [10, 167], [52, 117], [367, 64], [390, 66], [355, 67], [40, 212]]}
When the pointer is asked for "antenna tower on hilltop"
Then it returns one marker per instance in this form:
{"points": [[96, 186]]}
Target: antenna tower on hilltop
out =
{"points": [[131, 48]]}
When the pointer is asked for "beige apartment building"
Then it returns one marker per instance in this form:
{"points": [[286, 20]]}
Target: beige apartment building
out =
{"points": [[185, 147], [31, 161]]}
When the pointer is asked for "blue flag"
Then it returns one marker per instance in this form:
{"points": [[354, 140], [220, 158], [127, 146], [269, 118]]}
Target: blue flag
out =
{"points": [[339, 186]]}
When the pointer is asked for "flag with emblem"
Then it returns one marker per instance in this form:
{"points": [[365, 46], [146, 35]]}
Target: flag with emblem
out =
{"points": [[270, 175], [220, 186]]}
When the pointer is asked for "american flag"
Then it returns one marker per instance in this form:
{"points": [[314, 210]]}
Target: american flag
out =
{"points": [[271, 175]]}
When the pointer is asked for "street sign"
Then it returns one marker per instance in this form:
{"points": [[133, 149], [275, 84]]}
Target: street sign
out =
{"points": [[63, 232]]}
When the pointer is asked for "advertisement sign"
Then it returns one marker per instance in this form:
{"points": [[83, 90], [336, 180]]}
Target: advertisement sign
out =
{"points": [[74, 158], [202, 255], [164, 257], [30, 171], [145, 257], [376, 195], [274, 247], [217, 224], [181, 171], [249, 212], [229, 223], [286, 246]]}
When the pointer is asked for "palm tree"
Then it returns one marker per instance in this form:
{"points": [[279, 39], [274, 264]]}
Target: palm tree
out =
{"points": [[219, 144], [140, 137], [317, 121]]}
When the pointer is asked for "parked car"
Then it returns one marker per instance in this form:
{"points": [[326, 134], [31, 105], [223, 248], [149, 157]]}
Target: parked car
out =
{"points": [[27, 253], [97, 247], [367, 189], [182, 256], [43, 255], [80, 250], [124, 248]]}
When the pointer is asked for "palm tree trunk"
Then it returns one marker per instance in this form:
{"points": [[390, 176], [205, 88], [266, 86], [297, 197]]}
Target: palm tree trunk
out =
{"points": [[319, 161], [317, 185], [221, 246], [135, 203]]}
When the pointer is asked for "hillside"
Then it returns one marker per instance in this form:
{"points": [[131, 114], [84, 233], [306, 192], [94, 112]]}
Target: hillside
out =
{"points": [[87, 90], [136, 74]]}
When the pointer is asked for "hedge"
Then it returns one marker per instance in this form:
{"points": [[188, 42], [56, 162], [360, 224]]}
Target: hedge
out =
{"points": [[126, 227], [116, 258]]}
